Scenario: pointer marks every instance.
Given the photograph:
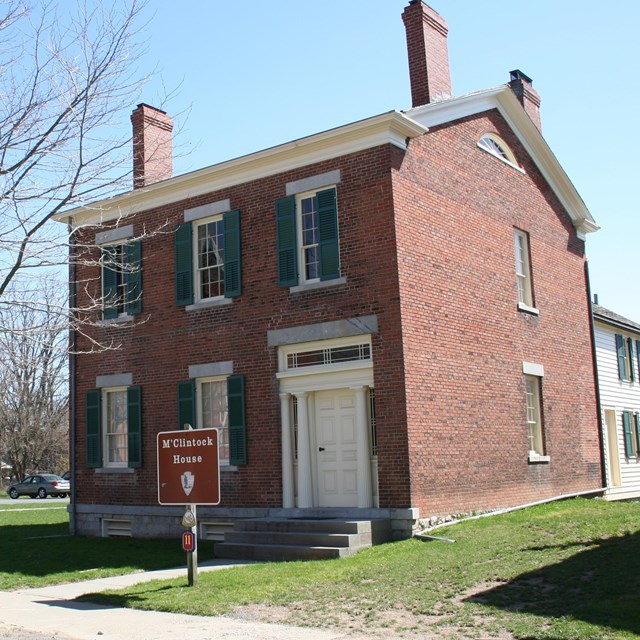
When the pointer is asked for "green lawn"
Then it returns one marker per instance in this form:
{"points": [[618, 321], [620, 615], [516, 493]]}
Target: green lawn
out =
{"points": [[565, 570], [568, 569], [36, 549]]}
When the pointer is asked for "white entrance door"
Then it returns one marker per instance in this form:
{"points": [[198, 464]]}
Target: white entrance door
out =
{"points": [[336, 438]]}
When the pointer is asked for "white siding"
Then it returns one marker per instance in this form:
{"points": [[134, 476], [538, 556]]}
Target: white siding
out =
{"points": [[619, 396]]}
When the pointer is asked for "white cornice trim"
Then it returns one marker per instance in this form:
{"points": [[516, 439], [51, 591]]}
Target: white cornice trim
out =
{"points": [[388, 128], [503, 99]]}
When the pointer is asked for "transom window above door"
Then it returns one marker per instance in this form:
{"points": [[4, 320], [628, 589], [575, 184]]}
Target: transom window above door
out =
{"points": [[331, 355]]}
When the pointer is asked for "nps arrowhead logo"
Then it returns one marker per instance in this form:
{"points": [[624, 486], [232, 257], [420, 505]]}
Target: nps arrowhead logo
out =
{"points": [[188, 480]]}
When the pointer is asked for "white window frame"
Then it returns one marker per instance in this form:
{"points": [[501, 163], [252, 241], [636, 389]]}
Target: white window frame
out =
{"points": [[223, 430], [535, 430], [197, 271], [523, 270], [497, 147], [300, 246], [628, 359], [105, 435]]}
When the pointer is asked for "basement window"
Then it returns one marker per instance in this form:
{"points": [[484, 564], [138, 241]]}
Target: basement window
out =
{"points": [[497, 147]]}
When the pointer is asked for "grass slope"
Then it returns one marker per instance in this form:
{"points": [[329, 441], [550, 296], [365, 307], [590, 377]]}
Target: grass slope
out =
{"points": [[564, 570]]}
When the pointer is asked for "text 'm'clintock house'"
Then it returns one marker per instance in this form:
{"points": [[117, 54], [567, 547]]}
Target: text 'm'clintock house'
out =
{"points": [[385, 320]]}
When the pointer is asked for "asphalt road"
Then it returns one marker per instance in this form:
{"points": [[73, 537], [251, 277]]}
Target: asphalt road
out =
{"points": [[35, 501]]}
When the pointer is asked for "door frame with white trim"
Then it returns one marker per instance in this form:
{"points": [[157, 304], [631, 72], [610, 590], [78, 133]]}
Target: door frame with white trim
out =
{"points": [[322, 370]]}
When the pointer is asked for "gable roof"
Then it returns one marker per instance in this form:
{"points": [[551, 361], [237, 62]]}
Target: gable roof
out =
{"points": [[609, 317], [505, 101], [392, 127]]}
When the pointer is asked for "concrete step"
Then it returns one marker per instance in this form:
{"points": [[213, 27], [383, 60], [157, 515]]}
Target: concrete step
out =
{"points": [[279, 552], [297, 538], [280, 539], [326, 525]]}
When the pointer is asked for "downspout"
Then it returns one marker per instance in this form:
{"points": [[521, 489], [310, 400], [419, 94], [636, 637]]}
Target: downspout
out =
{"points": [[592, 331], [73, 299]]}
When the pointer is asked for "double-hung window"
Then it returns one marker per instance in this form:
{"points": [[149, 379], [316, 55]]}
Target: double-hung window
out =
{"points": [[523, 269], [208, 259], [624, 353], [216, 403], [535, 434], [121, 279], [307, 237], [114, 427], [631, 433]]}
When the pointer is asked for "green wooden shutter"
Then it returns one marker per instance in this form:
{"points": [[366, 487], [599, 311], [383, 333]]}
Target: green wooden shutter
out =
{"points": [[286, 236], [237, 423], [638, 355], [187, 403], [626, 427], [134, 426], [109, 284], [629, 354], [133, 303], [328, 232], [232, 255], [93, 432], [184, 265], [622, 357], [637, 417]]}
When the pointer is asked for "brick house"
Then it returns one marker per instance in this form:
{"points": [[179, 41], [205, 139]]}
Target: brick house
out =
{"points": [[617, 343], [376, 317]]}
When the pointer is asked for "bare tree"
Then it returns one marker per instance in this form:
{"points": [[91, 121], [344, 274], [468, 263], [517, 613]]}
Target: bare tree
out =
{"points": [[34, 434], [68, 76]]}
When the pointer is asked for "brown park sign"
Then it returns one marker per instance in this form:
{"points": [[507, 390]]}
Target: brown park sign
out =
{"points": [[188, 469]]}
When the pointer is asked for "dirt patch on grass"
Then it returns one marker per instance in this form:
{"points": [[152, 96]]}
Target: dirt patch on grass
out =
{"points": [[397, 623]]}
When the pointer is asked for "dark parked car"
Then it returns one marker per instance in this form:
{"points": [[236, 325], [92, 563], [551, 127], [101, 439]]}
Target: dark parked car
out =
{"points": [[40, 486]]}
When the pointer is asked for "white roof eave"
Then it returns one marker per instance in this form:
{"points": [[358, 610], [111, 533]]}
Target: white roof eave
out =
{"points": [[503, 99], [388, 128]]}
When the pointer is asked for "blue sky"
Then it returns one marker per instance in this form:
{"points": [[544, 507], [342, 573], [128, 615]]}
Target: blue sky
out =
{"points": [[250, 75]]}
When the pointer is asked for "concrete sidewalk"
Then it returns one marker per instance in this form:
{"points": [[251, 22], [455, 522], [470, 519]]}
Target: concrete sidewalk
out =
{"points": [[52, 611]]}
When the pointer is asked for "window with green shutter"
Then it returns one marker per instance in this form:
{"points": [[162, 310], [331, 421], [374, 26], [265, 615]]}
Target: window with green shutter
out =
{"points": [[624, 353], [133, 302], [630, 442], [216, 402], [232, 255], [114, 427], [121, 279], [286, 242], [187, 404], [208, 259], [134, 426], [307, 238], [328, 235], [93, 431], [237, 422], [183, 264]]}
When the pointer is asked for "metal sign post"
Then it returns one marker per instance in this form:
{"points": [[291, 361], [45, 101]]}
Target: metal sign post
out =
{"points": [[190, 521]]}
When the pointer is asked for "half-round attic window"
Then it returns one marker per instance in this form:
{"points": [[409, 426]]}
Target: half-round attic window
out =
{"points": [[496, 146]]}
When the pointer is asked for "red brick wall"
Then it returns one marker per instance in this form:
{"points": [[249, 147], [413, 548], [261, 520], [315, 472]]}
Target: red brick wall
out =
{"points": [[448, 327], [159, 351], [464, 340]]}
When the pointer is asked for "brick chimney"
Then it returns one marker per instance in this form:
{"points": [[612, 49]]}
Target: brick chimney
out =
{"points": [[152, 145], [428, 53], [522, 86]]}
